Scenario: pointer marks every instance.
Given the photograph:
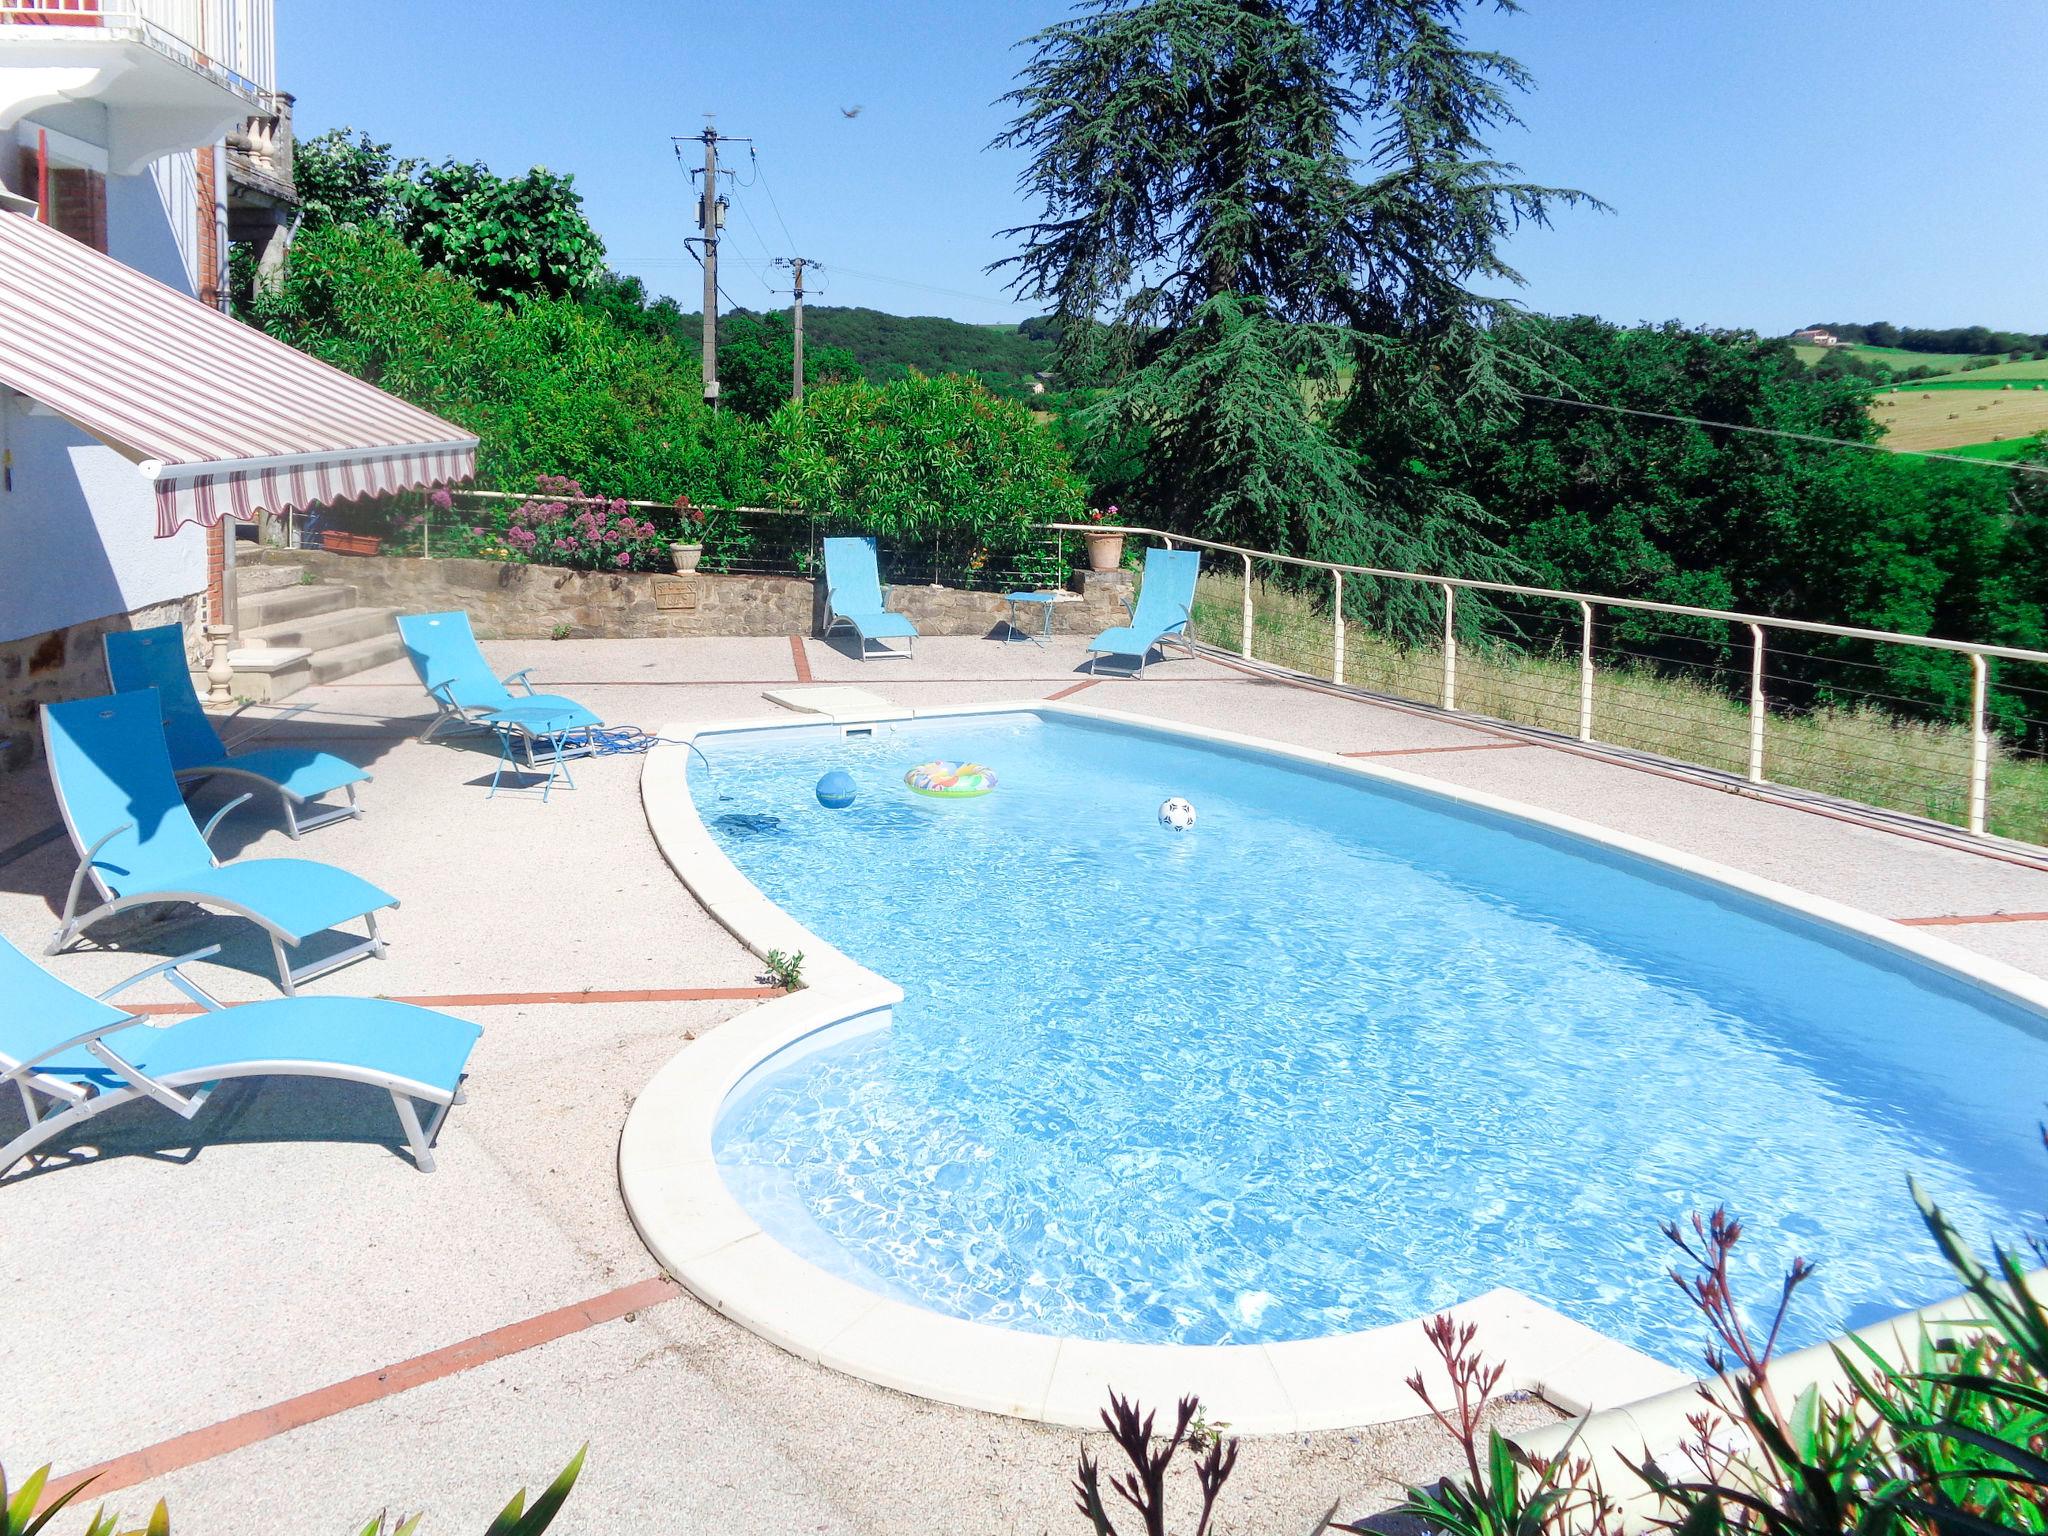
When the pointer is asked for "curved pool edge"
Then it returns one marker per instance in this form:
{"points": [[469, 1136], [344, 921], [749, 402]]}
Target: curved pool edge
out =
{"points": [[701, 1235]]}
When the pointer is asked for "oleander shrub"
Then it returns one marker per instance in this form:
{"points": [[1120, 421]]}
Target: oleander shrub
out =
{"points": [[20, 1516], [1953, 1442]]}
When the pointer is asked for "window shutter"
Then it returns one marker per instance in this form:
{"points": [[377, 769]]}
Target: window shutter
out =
{"points": [[78, 204]]}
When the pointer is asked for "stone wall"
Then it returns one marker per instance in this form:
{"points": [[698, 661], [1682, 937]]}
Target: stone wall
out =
{"points": [[529, 602], [71, 663]]}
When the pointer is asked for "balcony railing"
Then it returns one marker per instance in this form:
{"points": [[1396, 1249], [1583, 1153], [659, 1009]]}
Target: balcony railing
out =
{"points": [[230, 39]]}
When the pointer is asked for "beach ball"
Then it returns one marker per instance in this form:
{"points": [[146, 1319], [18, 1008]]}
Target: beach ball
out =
{"points": [[1176, 815], [835, 790]]}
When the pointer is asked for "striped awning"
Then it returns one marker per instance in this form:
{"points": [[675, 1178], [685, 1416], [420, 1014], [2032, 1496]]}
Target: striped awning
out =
{"points": [[225, 420]]}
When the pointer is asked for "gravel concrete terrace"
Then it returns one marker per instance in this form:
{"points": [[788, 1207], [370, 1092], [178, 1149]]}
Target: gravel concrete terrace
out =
{"points": [[174, 1278]]}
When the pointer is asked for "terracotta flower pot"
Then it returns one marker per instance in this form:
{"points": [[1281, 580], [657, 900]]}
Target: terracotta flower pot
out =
{"points": [[686, 557], [337, 543], [1105, 551]]}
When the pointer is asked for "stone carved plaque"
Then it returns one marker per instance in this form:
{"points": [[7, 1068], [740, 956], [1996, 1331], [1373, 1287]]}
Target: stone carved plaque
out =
{"points": [[675, 592]]}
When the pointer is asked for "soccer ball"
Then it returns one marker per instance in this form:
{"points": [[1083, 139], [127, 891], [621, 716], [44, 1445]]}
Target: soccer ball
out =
{"points": [[1176, 815]]}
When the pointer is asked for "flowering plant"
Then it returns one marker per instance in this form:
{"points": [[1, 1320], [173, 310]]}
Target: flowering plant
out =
{"points": [[1106, 514], [692, 518], [562, 524]]}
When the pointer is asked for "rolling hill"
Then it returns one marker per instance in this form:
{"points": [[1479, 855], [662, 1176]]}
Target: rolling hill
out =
{"points": [[885, 345]]}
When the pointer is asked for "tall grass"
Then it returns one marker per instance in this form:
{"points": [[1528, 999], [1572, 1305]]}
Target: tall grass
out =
{"points": [[1858, 751]]}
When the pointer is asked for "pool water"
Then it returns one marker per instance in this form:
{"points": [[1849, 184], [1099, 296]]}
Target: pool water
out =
{"points": [[1343, 1054]]}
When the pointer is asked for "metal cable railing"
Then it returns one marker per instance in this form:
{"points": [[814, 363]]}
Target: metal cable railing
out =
{"points": [[1748, 695]]}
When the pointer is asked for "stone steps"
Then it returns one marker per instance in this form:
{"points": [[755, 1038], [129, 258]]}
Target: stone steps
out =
{"points": [[336, 627], [295, 633], [356, 656], [252, 580], [297, 601]]}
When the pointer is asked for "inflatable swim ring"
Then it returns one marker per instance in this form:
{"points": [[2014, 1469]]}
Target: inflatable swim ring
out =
{"points": [[950, 781]]}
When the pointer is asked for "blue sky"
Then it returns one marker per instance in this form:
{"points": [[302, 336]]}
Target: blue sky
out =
{"points": [[1768, 164]]}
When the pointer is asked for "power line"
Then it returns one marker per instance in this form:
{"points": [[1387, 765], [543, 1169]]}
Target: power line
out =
{"points": [[1797, 437], [772, 203], [767, 255]]}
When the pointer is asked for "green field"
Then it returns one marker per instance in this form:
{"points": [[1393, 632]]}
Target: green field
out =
{"points": [[2020, 448], [2021, 374], [1896, 358]]}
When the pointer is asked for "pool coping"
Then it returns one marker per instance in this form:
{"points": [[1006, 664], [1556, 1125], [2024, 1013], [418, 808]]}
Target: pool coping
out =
{"points": [[691, 1223]]}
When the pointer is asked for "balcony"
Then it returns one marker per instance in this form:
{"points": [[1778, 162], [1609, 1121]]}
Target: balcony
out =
{"points": [[172, 74]]}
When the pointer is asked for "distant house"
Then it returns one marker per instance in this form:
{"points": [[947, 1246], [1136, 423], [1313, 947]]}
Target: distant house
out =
{"points": [[1814, 336]]}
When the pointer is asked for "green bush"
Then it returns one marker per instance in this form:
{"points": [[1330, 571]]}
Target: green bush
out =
{"points": [[557, 387], [550, 386], [919, 457]]}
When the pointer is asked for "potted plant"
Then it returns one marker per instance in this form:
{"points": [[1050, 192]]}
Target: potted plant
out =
{"points": [[335, 542], [689, 548], [1105, 545]]}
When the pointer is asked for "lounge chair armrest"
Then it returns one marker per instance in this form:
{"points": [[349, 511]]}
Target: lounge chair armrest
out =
{"points": [[522, 677], [1130, 607], [163, 967], [86, 1037], [85, 863], [206, 832]]}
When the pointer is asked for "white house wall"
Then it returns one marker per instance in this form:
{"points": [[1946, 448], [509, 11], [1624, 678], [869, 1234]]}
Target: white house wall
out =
{"points": [[78, 548], [78, 531]]}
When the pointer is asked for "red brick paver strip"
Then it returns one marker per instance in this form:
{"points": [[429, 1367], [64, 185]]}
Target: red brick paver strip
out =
{"points": [[1068, 693], [246, 1429], [512, 999], [797, 655], [1957, 921], [1469, 746]]}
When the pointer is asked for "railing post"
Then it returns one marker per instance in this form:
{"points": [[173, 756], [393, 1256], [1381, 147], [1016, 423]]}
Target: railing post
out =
{"points": [[427, 534], [1245, 647], [1337, 639], [1585, 671], [1980, 742], [1450, 646], [1757, 714]]}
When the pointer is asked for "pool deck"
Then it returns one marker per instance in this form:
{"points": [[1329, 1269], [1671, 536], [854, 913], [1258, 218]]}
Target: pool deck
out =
{"points": [[270, 1315]]}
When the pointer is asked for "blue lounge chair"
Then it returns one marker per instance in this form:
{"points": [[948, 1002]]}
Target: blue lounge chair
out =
{"points": [[71, 1056], [1166, 601], [468, 695], [855, 597], [155, 658], [137, 843]]}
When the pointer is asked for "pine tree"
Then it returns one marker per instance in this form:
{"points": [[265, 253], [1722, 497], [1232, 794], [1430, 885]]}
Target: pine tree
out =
{"points": [[1266, 224]]}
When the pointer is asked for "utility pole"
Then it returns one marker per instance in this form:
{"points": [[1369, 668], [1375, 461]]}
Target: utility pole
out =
{"points": [[797, 264], [709, 215], [710, 220]]}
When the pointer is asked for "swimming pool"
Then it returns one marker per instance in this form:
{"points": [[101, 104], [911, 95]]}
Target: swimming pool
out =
{"points": [[1348, 1052]]}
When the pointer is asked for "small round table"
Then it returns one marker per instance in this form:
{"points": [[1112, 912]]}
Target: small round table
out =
{"points": [[1046, 602]]}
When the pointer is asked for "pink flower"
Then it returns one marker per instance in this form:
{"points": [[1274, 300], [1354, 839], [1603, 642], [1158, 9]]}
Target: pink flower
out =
{"points": [[622, 560], [440, 500]]}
